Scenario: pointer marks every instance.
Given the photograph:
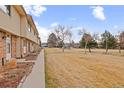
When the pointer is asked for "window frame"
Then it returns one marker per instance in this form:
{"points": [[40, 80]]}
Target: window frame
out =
{"points": [[29, 27]]}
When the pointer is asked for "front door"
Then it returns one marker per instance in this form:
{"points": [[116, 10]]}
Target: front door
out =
{"points": [[8, 47]]}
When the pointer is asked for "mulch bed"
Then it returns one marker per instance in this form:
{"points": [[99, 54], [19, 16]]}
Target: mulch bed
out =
{"points": [[32, 56], [11, 78]]}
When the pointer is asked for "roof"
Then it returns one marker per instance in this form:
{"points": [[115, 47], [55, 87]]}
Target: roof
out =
{"points": [[20, 10]]}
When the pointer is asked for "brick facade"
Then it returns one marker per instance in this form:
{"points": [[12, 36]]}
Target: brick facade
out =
{"points": [[13, 43], [15, 39], [2, 46]]}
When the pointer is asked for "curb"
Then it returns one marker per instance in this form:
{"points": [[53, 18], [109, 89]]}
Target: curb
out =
{"points": [[24, 78]]}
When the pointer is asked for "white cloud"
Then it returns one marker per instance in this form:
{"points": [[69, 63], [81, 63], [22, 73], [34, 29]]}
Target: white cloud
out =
{"points": [[27, 8], [98, 12], [75, 34], [54, 24], [72, 19], [35, 10], [43, 32], [77, 28], [36, 23], [115, 26]]}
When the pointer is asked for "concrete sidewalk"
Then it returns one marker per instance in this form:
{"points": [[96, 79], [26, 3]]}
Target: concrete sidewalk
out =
{"points": [[36, 79]]}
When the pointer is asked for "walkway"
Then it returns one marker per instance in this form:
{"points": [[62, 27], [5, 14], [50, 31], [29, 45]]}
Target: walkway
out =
{"points": [[36, 79]]}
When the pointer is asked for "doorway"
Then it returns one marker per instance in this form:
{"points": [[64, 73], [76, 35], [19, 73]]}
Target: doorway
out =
{"points": [[8, 47]]}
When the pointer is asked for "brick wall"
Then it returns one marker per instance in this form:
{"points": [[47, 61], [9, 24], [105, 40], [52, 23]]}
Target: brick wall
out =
{"points": [[2, 46], [13, 46], [23, 47]]}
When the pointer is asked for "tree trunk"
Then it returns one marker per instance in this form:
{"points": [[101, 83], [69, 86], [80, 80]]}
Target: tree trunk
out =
{"points": [[63, 48], [106, 50], [85, 46], [106, 47], [89, 49], [70, 45], [119, 49]]}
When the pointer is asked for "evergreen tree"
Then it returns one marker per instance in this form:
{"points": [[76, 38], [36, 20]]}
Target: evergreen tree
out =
{"points": [[108, 41], [88, 41]]}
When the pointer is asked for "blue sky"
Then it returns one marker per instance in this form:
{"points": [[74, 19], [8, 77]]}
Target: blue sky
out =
{"points": [[95, 19]]}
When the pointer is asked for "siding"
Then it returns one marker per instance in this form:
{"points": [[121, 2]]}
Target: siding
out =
{"points": [[10, 23]]}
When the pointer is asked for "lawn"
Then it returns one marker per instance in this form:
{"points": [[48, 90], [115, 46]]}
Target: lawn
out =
{"points": [[73, 69]]}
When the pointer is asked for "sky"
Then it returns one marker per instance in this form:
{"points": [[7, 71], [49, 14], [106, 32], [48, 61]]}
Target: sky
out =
{"points": [[95, 19]]}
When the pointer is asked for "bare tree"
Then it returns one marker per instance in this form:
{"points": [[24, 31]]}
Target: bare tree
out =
{"points": [[69, 36], [121, 38], [106, 41], [63, 32], [119, 41], [87, 38], [95, 36], [72, 43], [82, 31]]}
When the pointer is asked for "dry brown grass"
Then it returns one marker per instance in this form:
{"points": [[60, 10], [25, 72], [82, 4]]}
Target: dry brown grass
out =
{"points": [[75, 69]]}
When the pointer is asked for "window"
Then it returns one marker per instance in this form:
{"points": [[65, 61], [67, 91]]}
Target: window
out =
{"points": [[8, 48], [5, 9], [29, 27], [8, 44]]}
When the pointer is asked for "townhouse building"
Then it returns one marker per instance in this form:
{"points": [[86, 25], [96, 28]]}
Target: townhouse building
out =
{"points": [[18, 33]]}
